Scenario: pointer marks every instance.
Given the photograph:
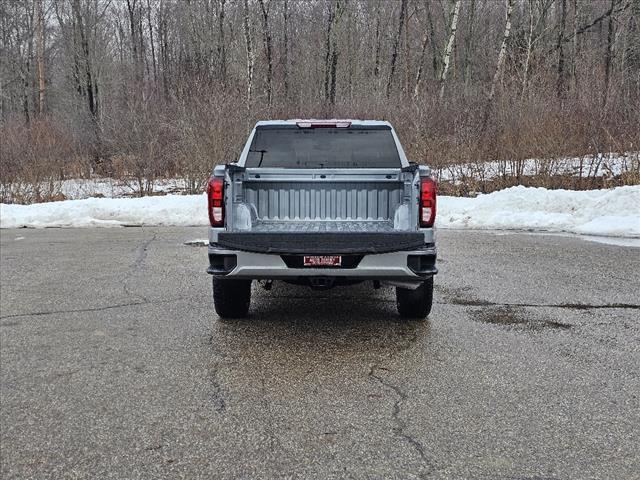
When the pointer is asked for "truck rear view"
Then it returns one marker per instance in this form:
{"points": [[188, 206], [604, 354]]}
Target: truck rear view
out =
{"points": [[323, 204]]}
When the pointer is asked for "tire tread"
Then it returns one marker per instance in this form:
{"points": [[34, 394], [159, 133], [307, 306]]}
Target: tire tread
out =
{"points": [[231, 298], [415, 303]]}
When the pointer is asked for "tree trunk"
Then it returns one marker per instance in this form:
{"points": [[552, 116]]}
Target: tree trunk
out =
{"points": [[164, 49], [467, 71], [247, 37], [329, 52], [222, 48], [144, 66], [527, 60], [376, 68], [353, 63], [501, 55], [331, 58], [40, 54], [87, 84], [267, 46], [574, 49], [332, 83], [434, 48], [285, 53], [135, 54], [327, 56], [423, 49], [407, 58], [396, 44], [608, 59], [560, 86], [152, 43], [633, 49], [447, 51]]}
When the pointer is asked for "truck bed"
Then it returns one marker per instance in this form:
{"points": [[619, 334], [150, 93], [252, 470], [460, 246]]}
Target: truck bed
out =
{"points": [[265, 226], [321, 200]]}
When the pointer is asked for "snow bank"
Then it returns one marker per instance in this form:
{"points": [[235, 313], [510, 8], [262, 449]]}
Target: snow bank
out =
{"points": [[614, 212], [168, 210]]}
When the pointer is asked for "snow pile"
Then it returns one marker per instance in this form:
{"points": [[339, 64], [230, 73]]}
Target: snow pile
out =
{"points": [[614, 212], [168, 210]]}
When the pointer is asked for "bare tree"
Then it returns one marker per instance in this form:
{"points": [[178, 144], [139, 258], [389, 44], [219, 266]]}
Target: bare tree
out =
{"points": [[633, 48], [608, 59], [396, 44], [501, 55], [39, 18], [376, 68], [266, 33], [285, 49], [331, 57], [152, 43], [537, 16], [435, 58], [560, 86], [423, 50], [574, 50], [467, 70], [222, 48], [249, 49], [447, 51]]}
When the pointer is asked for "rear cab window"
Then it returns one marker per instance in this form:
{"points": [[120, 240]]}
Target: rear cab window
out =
{"points": [[357, 146]]}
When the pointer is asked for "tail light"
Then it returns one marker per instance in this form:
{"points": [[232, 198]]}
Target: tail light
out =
{"points": [[215, 196], [427, 202]]}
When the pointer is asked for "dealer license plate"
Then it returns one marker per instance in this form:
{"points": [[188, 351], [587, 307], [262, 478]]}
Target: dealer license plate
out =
{"points": [[323, 261]]}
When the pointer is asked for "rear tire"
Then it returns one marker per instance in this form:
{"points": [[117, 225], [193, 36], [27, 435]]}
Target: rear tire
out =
{"points": [[415, 303], [231, 298]]}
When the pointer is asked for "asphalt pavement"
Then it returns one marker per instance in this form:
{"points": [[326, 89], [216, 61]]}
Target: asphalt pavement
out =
{"points": [[114, 365]]}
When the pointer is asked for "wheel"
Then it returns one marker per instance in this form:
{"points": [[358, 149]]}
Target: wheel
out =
{"points": [[231, 298], [415, 303]]}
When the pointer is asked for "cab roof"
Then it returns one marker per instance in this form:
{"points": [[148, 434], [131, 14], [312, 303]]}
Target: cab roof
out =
{"points": [[295, 121]]}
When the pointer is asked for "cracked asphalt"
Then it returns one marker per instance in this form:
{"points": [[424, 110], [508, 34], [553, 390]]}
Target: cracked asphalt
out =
{"points": [[114, 365]]}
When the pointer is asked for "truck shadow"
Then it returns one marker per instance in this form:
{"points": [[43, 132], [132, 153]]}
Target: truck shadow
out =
{"points": [[357, 304], [347, 322], [301, 349]]}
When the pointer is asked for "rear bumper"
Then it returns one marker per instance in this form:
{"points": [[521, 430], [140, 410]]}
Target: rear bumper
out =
{"points": [[406, 265]]}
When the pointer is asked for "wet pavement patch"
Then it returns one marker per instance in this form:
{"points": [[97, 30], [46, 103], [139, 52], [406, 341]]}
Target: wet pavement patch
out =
{"points": [[197, 243], [9, 324], [515, 317], [500, 315], [462, 296], [581, 306], [471, 302]]}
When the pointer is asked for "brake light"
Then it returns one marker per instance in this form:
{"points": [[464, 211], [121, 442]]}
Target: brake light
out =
{"points": [[338, 124], [215, 197], [427, 202]]}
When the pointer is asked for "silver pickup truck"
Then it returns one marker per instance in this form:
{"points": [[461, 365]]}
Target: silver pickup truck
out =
{"points": [[323, 204]]}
